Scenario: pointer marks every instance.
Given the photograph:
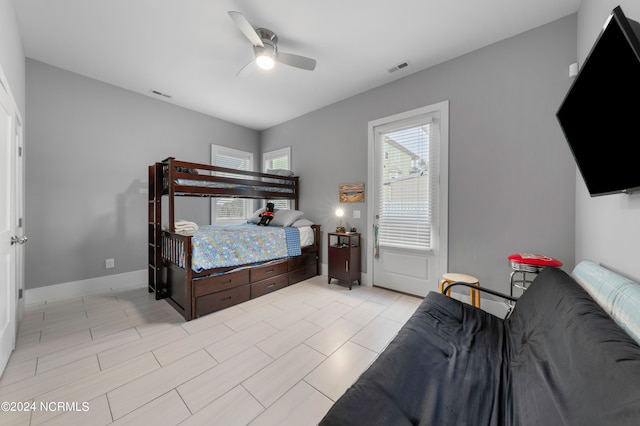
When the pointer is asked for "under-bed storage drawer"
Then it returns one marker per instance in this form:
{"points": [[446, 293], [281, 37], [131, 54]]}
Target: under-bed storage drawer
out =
{"points": [[267, 286], [222, 299], [302, 260], [310, 270], [267, 271], [222, 282]]}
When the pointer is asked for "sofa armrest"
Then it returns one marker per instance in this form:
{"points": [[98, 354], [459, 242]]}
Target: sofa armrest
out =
{"points": [[486, 290]]}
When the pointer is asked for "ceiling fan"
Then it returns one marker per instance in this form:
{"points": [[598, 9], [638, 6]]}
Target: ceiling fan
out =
{"points": [[265, 48]]}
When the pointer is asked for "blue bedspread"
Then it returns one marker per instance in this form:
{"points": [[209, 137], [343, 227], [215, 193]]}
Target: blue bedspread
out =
{"points": [[293, 241], [216, 246]]}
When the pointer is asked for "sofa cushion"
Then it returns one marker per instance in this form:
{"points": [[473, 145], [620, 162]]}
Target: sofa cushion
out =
{"points": [[445, 367], [570, 363]]}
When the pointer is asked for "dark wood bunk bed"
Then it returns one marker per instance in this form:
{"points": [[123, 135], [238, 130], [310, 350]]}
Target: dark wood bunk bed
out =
{"points": [[170, 253]]}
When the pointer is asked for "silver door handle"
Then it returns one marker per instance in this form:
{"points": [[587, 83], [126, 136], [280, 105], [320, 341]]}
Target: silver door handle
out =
{"points": [[18, 240], [376, 240]]}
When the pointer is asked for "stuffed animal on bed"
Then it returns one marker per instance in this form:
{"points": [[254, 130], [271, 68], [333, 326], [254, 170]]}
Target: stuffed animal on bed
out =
{"points": [[267, 216]]}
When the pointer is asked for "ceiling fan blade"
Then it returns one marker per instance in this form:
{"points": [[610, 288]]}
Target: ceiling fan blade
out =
{"points": [[297, 61], [245, 27], [247, 69]]}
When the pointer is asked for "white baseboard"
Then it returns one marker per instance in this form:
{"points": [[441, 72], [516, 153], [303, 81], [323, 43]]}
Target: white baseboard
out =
{"points": [[497, 308], [84, 287]]}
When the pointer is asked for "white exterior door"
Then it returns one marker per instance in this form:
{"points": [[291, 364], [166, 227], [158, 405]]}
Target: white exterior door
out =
{"points": [[408, 199], [8, 291]]}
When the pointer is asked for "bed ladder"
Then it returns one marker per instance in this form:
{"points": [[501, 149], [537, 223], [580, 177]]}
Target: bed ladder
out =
{"points": [[155, 230]]}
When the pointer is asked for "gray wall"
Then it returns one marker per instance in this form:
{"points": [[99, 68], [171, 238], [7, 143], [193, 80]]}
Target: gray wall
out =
{"points": [[11, 53], [88, 148], [608, 227], [512, 177], [503, 140]]}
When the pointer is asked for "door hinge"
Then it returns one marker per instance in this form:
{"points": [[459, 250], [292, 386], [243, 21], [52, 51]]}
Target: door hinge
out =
{"points": [[20, 222], [19, 151], [20, 293]]}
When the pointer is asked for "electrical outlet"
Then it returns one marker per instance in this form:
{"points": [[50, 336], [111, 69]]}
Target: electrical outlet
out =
{"points": [[109, 263]]}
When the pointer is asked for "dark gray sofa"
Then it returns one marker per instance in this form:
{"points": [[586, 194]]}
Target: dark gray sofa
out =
{"points": [[558, 359]]}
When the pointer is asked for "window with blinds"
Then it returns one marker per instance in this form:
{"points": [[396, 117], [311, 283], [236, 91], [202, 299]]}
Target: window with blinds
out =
{"points": [[274, 160], [407, 182], [231, 209]]}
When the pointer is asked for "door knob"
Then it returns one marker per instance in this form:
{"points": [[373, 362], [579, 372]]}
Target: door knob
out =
{"points": [[18, 240]]}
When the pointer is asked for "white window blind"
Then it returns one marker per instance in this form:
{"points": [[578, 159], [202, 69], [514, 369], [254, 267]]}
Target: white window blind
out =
{"points": [[279, 163], [407, 184], [231, 209], [278, 159]]}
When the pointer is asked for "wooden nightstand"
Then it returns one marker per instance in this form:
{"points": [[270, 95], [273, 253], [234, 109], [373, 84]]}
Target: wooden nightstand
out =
{"points": [[344, 257]]}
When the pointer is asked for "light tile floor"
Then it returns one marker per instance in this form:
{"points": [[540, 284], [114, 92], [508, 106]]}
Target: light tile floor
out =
{"points": [[124, 358]]}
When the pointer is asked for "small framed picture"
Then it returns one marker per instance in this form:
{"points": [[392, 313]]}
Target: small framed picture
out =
{"points": [[351, 192]]}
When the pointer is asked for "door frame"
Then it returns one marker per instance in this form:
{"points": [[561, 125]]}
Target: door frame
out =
{"points": [[443, 196]]}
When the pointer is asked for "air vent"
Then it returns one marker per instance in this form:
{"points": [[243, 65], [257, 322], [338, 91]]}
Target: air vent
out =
{"points": [[399, 66], [157, 93]]}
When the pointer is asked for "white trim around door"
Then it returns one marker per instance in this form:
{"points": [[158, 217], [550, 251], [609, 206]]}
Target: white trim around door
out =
{"points": [[413, 271]]}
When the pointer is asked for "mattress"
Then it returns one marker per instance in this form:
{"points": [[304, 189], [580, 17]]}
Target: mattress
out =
{"points": [[218, 246], [225, 185], [307, 236]]}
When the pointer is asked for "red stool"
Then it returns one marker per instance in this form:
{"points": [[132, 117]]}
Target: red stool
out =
{"points": [[524, 263]]}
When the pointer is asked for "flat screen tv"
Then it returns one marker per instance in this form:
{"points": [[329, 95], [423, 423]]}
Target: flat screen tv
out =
{"points": [[600, 115]]}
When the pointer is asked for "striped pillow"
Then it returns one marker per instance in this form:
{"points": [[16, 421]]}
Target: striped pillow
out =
{"points": [[618, 296]]}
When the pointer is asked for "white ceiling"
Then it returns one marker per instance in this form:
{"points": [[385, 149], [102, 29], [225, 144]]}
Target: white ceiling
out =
{"points": [[192, 50]]}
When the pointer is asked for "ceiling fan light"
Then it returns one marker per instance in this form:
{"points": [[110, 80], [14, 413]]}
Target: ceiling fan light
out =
{"points": [[265, 62]]}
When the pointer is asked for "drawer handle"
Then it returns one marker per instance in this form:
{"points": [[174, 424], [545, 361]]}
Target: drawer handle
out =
{"points": [[226, 298], [269, 270], [227, 281], [271, 285]]}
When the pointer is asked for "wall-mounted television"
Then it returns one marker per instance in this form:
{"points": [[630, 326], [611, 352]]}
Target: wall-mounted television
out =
{"points": [[600, 115]]}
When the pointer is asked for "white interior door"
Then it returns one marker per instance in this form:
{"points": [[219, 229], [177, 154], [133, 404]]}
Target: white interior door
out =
{"points": [[8, 293], [19, 177], [408, 199]]}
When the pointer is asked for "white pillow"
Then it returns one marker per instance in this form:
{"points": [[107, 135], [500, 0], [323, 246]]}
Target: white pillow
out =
{"points": [[280, 172], [280, 217], [302, 222], [285, 217], [255, 217]]}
